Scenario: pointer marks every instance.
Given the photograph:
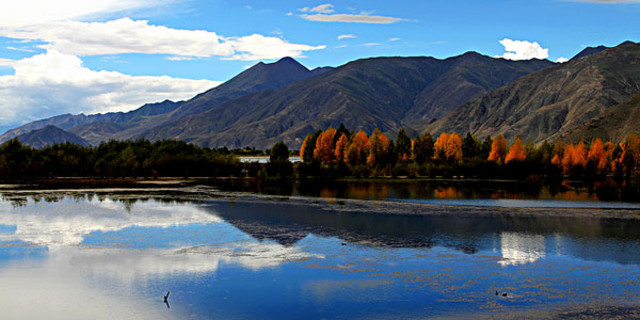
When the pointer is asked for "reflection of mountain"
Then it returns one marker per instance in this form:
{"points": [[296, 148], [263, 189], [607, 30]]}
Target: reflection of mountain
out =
{"points": [[520, 248], [520, 240]]}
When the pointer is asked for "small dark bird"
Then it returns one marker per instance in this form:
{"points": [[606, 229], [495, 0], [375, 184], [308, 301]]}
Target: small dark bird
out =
{"points": [[166, 296], [504, 294], [496, 293], [344, 244]]}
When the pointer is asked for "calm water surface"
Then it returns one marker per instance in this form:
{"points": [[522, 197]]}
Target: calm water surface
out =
{"points": [[88, 255]]}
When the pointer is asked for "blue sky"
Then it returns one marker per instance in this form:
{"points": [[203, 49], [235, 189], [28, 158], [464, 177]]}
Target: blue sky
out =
{"points": [[72, 56]]}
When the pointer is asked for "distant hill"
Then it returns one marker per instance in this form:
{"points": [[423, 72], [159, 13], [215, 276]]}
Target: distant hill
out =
{"points": [[49, 135], [552, 102]]}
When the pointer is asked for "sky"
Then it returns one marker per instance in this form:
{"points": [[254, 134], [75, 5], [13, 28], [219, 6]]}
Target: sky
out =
{"points": [[78, 56]]}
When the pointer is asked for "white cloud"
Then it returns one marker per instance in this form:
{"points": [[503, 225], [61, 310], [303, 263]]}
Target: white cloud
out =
{"points": [[323, 8], [36, 11], [370, 44], [523, 50], [346, 36], [353, 18], [562, 60], [54, 83], [129, 36], [394, 39], [323, 13], [259, 47]]}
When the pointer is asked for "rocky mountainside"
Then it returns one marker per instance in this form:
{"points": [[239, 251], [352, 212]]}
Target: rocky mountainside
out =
{"points": [[614, 124], [552, 102], [387, 93]]}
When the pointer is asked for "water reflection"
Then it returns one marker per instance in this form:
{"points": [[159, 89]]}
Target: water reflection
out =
{"points": [[116, 256]]}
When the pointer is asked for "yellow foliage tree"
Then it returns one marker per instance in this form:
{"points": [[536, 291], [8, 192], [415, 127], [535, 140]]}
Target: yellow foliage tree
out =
{"points": [[448, 147], [359, 149], [517, 152], [499, 149], [378, 147]]}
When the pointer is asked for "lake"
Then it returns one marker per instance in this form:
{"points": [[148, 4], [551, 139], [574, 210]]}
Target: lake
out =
{"points": [[114, 254]]}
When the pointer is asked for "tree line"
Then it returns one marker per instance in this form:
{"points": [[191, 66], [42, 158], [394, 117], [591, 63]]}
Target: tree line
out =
{"points": [[139, 158], [340, 152]]}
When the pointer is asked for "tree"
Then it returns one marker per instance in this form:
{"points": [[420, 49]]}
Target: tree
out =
{"points": [[325, 146], [574, 157], [598, 156], [378, 148], [279, 153], [499, 150], [359, 149], [485, 148], [448, 147], [403, 145], [517, 152], [309, 146], [341, 148], [423, 148], [470, 146]]}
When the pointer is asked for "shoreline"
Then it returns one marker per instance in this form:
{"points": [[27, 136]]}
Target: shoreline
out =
{"points": [[202, 193]]}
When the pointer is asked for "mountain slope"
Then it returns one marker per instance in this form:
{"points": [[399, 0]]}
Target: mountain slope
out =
{"points": [[385, 93], [614, 124], [49, 135], [548, 103]]}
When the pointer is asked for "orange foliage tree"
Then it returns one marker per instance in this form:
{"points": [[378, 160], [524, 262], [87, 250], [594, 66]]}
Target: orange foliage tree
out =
{"points": [[341, 148], [324, 151], [499, 149], [359, 149], [448, 147], [378, 148], [574, 156], [517, 152], [598, 155]]}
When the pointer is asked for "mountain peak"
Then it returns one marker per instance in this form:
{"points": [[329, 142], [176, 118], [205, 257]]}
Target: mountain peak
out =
{"points": [[589, 51]]}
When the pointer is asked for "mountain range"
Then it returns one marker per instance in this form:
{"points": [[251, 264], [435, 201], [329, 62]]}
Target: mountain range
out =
{"points": [[535, 99]]}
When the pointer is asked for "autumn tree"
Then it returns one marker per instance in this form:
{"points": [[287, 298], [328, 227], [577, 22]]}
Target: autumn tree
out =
{"points": [[309, 146], [597, 156], [517, 152], [448, 147], [325, 146], [574, 157], [378, 148], [341, 148], [499, 149], [423, 148], [358, 149]]}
